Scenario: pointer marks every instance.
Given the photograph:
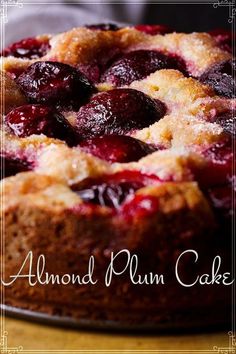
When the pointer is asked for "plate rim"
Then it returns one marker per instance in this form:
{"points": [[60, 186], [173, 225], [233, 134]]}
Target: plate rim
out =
{"points": [[108, 325]]}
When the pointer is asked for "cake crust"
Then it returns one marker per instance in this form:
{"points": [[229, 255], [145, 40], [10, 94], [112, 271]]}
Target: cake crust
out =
{"points": [[69, 204]]}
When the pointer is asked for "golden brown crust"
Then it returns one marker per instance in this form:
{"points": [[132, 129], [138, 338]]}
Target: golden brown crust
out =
{"points": [[169, 164], [82, 46], [11, 96], [38, 190], [171, 87], [75, 165], [177, 196], [181, 130]]}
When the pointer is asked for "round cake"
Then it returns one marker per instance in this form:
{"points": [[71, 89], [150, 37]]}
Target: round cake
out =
{"points": [[118, 175]]}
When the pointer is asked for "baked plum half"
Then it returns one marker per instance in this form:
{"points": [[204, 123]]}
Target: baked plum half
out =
{"points": [[118, 111]]}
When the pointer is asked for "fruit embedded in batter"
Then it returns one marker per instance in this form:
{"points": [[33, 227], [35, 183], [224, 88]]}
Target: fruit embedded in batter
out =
{"points": [[221, 77], [116, 148], [113, 190], [55, 83], [10, 166], [118, 111], [139, 64], [31, 119], [28, 48]]}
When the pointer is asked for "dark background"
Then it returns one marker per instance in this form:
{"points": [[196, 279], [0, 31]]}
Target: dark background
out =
{"points": [[181, 17], [189, 17], [35, 19]]}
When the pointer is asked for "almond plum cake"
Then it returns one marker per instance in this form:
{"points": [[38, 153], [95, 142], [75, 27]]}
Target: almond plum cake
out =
{"points": [[119, 142]]}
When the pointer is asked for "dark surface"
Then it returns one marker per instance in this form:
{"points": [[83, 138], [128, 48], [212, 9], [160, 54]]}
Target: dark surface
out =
{"points": [[116, 326], [31, 20], [188, 17], [181, 17]]}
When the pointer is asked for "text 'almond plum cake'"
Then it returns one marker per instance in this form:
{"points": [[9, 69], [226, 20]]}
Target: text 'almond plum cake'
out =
{"points": [[118, 166]]}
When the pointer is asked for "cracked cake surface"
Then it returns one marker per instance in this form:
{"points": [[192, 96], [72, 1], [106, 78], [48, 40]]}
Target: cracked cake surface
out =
{"points": [[118, 138]]}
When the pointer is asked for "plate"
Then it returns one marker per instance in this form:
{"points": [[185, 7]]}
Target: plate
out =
{"points": [[171, 327]]}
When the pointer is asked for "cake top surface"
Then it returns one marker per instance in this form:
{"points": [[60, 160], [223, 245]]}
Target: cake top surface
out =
{"points": [[103, 115]]}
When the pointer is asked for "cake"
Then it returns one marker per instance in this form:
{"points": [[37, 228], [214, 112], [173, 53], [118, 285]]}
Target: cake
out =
{"points": [[120, 142]]}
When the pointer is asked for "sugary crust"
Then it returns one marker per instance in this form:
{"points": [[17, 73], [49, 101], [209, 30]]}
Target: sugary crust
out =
{"points": [[11, 64], [11, 96], [178, 133], [168, 165], [209, 107], [198, 50], [179, 130], [29, 147], [172, 88], [38, 191], [84, 46], [177, 196], [75, 165], [180, 94]]}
